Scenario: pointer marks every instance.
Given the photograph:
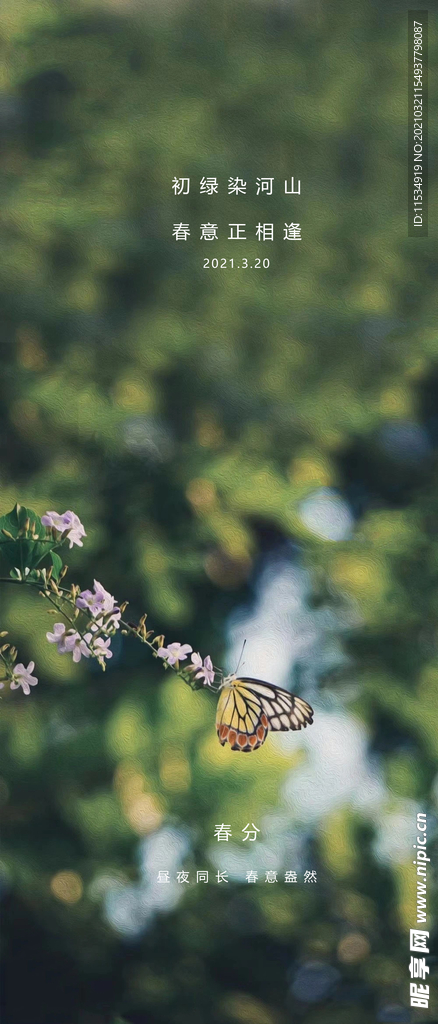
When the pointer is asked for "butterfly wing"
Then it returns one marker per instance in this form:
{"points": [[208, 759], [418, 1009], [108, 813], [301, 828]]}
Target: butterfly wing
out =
{"points": [[248, 708], [283, 710], [240, 719]]}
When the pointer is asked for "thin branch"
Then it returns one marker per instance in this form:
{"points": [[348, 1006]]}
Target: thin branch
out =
{"points": [[64, 593]]}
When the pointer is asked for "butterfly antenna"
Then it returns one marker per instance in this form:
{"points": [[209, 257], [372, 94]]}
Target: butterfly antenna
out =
{"points": [[240, 659]]}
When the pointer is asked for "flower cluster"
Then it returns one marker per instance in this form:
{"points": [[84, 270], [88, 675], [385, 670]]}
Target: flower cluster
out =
{"points": [[176, 652], [69, 522], [92, 616], [78, 645], [101, 605]]}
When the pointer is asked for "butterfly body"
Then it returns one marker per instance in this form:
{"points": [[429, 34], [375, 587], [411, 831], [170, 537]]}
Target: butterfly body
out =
{"points": [[250, 708]]}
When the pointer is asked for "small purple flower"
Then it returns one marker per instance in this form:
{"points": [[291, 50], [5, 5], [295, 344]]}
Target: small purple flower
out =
{"points": [[100, 647], [106, 600], [66, 521], [78, 646], [23, 677], [58, 637], [97, 600], [203, 669], [174, 652], [88, 600]]}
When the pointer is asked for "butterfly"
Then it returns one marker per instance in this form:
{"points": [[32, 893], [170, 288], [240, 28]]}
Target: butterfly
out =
{"points": [[249, 708]]}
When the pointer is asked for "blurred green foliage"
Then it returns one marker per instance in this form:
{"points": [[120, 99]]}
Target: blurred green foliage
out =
{"points": [[184, 415]]}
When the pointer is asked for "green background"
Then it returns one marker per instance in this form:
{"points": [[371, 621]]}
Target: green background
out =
{"points": [[185, 415]]}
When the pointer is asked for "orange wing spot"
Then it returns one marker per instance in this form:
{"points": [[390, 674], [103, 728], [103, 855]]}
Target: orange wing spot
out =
{"points": [[232, 737], [241, 739], [223, 732], [261, 733], [253, 740], [264, 721]]}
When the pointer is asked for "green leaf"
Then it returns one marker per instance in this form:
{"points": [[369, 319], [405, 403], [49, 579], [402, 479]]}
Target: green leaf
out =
{"points": [[57, 564], [15, 520], [23, 552]]}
